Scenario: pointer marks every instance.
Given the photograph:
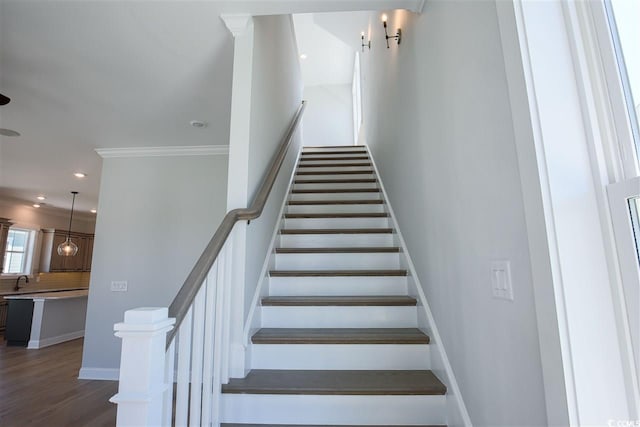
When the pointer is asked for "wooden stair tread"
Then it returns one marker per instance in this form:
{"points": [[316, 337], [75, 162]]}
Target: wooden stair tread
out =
{"points": [[348, 158], [336, 382], [336, 190], [351, 165], [336, 181], [337, 202], [318, 425], [336, 231], [337, 273], [340, 336], [339, 301], [338, 215], [367, 172], [364, 250]]}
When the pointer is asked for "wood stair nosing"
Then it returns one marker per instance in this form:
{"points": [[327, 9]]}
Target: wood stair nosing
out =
{"points": [[318, 425], [340, 336], [337, 250], [338, 273], [337, 382], [336, 181], [337, 215], [348, 158], [337, 231], [349, 165], [340, 301], [335, 190], [336, 202], [366, 172]]}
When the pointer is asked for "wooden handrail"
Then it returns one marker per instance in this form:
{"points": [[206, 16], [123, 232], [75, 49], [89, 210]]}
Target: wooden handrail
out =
{"points": [[187, 293]]}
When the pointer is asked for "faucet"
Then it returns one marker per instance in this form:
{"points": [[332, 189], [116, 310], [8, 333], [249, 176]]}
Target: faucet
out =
{"points": [[26, 280]]}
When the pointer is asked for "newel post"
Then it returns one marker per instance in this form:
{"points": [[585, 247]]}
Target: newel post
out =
{"points": [[142, 366]]}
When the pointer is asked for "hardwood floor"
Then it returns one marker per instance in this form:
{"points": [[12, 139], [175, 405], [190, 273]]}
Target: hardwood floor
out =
{"points": [[41, 388]]}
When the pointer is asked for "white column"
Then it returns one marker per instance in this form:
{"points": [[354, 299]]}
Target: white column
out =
{"points": [[241, 27], [142, 366]]}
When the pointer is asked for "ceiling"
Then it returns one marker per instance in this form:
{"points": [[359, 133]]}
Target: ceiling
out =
{"points": [[87, 75]]}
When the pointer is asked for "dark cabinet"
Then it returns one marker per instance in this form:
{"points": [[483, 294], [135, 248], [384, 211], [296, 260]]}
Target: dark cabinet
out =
{"points": [[50, 261]]}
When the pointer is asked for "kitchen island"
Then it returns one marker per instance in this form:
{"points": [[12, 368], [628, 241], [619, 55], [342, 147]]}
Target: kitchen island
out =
{"points": [[42, 319]]}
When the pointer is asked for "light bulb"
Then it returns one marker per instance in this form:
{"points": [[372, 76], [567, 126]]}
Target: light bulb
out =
{"points": [[384, 18], [67, 248]]}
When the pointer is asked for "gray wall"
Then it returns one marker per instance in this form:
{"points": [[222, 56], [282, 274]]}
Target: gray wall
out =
{"points": [[438, 120], [328, 119], [276, 95], [156, 216]]}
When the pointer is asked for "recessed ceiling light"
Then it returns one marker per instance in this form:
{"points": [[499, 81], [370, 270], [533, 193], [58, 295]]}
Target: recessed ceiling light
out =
{"points": [[36, 205], [94, 211], [198, 124], [303, 56], [41, 198], [80, 175], [8, 132]]}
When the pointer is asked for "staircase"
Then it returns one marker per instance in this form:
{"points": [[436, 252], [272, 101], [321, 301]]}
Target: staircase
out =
{"points": [[339, 343]]}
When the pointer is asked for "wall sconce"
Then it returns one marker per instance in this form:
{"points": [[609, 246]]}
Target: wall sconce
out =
{"points": [[368, 44], [398, 35]]}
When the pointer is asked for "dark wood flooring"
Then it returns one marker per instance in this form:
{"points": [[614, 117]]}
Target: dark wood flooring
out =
{"points": [[41, 388]]}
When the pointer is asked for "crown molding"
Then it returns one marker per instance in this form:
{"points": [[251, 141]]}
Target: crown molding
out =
{"points": [[237, 24], [194, 150]]}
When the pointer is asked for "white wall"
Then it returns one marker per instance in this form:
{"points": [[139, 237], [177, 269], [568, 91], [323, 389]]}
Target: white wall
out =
{"points": [[328, 119], [156, 216], [438, 121], [276, 96]]}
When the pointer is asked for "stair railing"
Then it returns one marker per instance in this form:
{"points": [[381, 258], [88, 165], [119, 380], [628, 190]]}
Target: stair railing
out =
{"points": [[174, 359]]}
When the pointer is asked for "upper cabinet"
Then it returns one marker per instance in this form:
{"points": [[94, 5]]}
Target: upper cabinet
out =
{"points": [[51, 261]]}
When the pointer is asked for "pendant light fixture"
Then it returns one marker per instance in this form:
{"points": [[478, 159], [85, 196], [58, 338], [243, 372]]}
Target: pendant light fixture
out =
{"points": [[68, 248]]}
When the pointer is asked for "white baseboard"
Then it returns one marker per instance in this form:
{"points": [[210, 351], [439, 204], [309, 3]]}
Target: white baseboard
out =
{"points": [[109, 374], [35, 344]]}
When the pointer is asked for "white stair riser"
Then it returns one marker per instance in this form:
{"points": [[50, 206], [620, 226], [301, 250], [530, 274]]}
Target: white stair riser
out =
{"points": [[350, 208], [335, 161], [330, 168], [335, 240], [340, 356], [336, 286], [335, 196], [334, 409], [339, 317], [336, 185], [337, 261], [317, 175], [323, 150], [336, 223]]}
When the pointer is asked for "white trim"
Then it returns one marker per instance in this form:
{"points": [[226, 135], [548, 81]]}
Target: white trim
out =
{"points": [[452, 385], [102, 374], [35, 344], [237, 24], [175, 151]]}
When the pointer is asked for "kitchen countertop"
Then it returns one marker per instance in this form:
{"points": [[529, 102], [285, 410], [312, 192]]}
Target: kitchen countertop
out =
{"points": [[52, 295], [39, 291]]}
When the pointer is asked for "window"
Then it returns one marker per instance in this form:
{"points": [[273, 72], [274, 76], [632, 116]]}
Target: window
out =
{"points": [[19, 251], [624, 16]]}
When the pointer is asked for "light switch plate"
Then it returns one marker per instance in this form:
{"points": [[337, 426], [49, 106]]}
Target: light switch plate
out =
{"points": [[119, 286], [501, 284]]}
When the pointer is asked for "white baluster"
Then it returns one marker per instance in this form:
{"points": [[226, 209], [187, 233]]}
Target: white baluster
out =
{"points": [[184, 363], [169, 377], [142, 366], [209, 328], [219, 328], [195, 402], [226, 312]]}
